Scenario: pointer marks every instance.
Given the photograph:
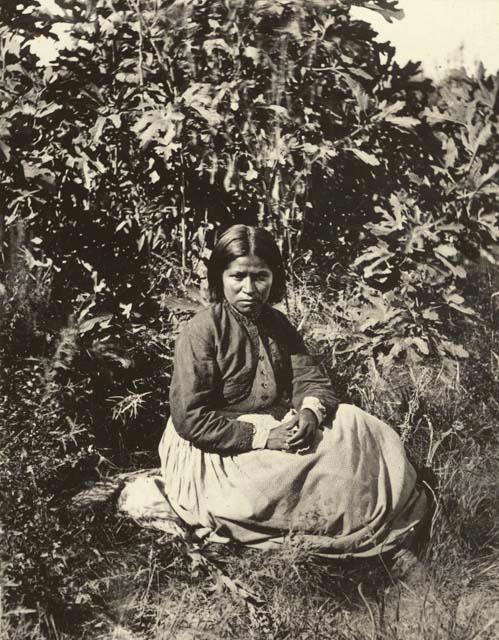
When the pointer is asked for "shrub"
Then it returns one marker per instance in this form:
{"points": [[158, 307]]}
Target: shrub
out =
{"points": [[161, 122]]}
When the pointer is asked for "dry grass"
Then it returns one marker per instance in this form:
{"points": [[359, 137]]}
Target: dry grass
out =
{"points": [[147, 586], [282, 596], [159, 588], [235, 594], [142, 585]]}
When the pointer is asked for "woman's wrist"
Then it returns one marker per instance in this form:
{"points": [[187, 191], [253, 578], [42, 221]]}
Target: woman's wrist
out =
{"points": [[314, 405], [310, 415]]}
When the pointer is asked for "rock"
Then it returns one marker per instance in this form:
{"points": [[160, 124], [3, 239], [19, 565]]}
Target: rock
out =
{"points": [[139, 495], [97, 494], [143, 498]]}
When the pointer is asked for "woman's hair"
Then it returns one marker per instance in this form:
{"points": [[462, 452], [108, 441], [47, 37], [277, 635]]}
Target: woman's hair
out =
{"points": [[236, 242]]}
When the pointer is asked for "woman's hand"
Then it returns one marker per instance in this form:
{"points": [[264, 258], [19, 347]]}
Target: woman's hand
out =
{"points": [[307, 426], [279, 436]]}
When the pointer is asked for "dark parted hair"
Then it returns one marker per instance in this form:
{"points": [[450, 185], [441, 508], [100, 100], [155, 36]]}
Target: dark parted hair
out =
{"points": [[242, 240]]}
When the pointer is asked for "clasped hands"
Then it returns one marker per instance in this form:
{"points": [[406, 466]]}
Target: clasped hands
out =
{"points": [[294, 434]]}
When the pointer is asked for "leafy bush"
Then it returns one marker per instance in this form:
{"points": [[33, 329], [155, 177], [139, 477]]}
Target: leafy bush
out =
{"points": [[161, 122], [45, 454], [120, 377]]}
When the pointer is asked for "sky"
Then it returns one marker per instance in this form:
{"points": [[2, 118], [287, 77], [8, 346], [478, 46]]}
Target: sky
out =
{"points": [[432, 31]]}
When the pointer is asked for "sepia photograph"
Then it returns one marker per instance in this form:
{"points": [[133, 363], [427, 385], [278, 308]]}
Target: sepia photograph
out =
{"points": [[249, 294]]}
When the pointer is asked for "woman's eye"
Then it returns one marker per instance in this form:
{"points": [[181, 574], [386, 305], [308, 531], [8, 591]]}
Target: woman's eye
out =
{"points": [[260, 277]]}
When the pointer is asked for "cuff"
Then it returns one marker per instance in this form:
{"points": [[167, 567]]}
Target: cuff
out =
{"points": [[260, 436], [262, 424], [245, 437], [316, 406]]}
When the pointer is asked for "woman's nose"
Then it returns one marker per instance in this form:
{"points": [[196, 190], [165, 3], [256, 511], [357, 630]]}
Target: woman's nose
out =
{"points": [[248, 285]]}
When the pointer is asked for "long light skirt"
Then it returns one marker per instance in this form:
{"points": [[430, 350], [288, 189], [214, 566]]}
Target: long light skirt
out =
{"points": [[353, 494]]}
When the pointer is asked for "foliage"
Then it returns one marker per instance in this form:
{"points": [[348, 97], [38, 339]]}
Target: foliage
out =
{"points": [[160, 121], [428, 234], [157, 123], [44, 455], [52, 440]]}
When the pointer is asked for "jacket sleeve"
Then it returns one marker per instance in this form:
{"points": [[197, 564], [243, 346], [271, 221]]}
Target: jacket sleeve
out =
{"points": [[193, 393], [308, 377]]}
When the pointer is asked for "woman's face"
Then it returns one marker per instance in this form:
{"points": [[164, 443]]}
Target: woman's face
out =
{"points": [[247, 282]]}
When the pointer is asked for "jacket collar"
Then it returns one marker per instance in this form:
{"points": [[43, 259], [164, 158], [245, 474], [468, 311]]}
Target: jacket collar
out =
{"points": [[250, 322]]}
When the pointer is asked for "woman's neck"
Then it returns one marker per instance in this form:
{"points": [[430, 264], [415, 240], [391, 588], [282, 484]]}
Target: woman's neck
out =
{"points": [[245, 317]]}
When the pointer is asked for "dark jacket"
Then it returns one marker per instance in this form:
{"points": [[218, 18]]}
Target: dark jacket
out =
{"points": [[216, 356]]}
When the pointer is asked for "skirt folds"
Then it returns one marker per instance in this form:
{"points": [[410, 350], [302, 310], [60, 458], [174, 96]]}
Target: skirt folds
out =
{"points": [[354, 493]]}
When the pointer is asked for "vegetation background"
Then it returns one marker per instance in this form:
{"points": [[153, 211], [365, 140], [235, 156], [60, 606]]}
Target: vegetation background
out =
{"points": [[160, 123]]}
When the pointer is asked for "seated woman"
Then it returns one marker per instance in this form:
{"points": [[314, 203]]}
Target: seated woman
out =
{"points": [[257, 449]]}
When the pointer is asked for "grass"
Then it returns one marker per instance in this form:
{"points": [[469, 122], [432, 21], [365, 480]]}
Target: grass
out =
{"points": [[164, 589], [138, 584], [112, 580]]}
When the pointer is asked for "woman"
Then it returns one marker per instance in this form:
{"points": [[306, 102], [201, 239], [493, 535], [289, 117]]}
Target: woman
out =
{"points": [[257, 448]]}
